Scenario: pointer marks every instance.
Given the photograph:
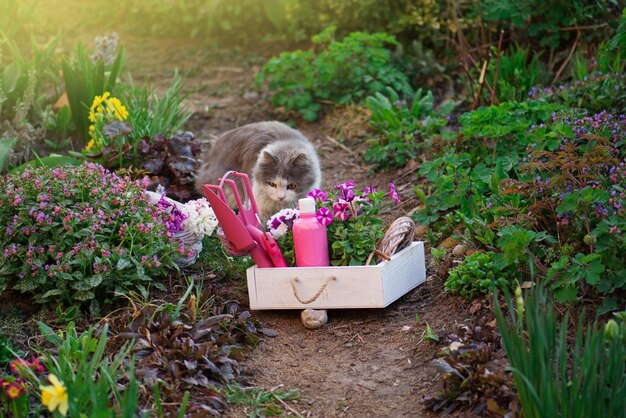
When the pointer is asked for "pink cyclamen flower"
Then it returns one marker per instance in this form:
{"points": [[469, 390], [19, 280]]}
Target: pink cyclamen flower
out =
{"points": [[324, 216], [393, 193]]}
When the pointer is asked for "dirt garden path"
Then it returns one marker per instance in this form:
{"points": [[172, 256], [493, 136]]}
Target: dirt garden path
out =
{"points": [[363, 363]]}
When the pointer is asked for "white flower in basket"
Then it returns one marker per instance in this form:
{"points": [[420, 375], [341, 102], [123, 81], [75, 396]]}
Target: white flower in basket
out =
{"points": [[198, 221]]}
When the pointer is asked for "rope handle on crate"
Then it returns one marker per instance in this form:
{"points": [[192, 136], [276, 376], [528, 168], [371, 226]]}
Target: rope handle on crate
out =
{"points": [[316, 295]]}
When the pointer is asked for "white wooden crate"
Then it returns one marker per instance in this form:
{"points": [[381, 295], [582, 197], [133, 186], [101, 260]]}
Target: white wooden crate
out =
{"points": [[337, 287]]}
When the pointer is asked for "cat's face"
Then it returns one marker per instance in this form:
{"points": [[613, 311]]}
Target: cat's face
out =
{"points": [[280, 190], [284, 176]]}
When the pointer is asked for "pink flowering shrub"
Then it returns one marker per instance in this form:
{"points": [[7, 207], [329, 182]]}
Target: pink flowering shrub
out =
{"points": [[72, 235]]}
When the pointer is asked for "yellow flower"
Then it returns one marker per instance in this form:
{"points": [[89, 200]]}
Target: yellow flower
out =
{"points": [[55, 396], [119, 110], [96, 105], [90, 144]]}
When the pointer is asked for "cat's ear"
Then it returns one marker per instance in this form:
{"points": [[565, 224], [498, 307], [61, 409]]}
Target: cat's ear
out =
{"points": [[300, 160], [269, 158]]}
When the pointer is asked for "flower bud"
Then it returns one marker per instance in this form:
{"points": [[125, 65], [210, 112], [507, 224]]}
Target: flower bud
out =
{"points": [[611, 330], [519, 301], [590, 239]]}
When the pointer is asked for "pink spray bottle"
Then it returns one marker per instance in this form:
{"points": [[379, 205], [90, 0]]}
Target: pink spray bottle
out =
{"points": [[309, 237]]}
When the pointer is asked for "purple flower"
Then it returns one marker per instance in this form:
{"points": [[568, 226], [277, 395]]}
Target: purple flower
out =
{"points": [[324, 216], [347, 195], [275, 223], [175, 222], [393, 193], [317, 194]]}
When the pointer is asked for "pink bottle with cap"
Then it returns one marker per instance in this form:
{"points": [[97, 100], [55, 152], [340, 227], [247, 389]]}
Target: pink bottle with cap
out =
{"points": [[309, 237]]}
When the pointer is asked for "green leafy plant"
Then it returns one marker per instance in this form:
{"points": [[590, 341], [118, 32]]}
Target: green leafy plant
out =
{"points": [[7, 351], [542, 189], [405, 129], [150, 115], [90, 380], [438, 254], [28, 87], [430, 334], [597, 83], [86, 79], [6, 146], [76, 235], [517, 245], [541, 21], [569, 274], [490, 147], [60, 127], [263, 403], [518, 71], [343, 71], [505, 125], [617, 45], [573, 179], [550, 372], [476, 275]]}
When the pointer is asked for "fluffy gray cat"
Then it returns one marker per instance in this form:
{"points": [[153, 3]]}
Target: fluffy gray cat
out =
{"points": [[281, 162]]}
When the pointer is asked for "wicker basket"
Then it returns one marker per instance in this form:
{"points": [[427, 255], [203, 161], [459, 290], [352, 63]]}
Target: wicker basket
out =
{"points": [[399, 235], [191, 240]]}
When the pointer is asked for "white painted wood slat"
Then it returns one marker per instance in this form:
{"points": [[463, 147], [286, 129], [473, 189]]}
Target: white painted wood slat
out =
{"points": [[337, 287]]}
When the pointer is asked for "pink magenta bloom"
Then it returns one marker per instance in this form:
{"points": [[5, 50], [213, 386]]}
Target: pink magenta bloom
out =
{"points": [[347, 193], [393, 193], [324, 216], [347, 185], [317, 194], [341, 210]]}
